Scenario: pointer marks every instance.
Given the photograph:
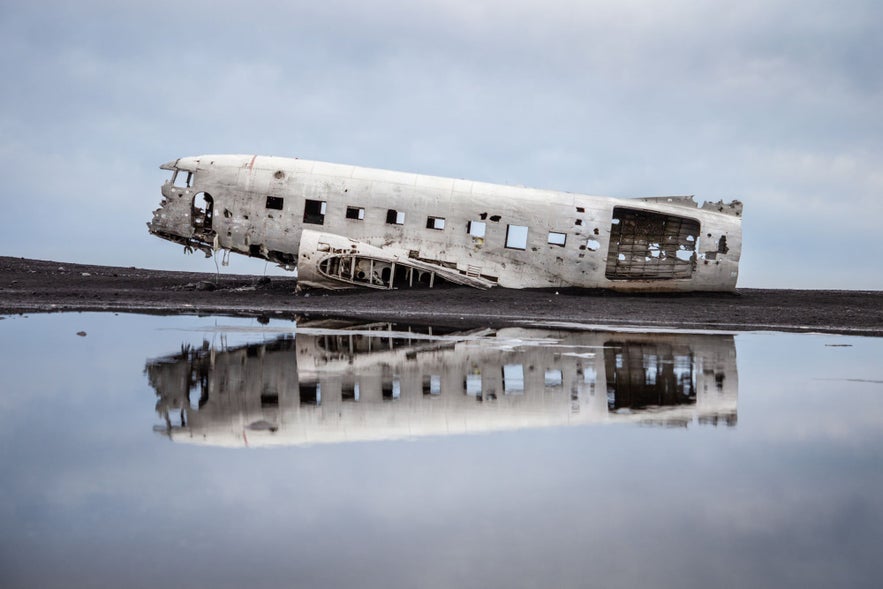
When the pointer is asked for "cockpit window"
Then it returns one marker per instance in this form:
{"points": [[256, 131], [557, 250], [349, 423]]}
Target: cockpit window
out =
{"points": [[182, 178]]}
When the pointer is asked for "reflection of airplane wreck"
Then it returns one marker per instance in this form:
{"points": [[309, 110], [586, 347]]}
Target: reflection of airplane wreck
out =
{"points": [[373, 382], [345, 226]]}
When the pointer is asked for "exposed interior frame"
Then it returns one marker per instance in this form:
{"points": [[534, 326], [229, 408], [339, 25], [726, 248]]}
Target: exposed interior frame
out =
{"points": [[646, 245]]}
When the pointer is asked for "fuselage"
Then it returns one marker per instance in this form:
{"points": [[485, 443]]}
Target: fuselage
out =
{"points": [[341, 384], [344, 226]]}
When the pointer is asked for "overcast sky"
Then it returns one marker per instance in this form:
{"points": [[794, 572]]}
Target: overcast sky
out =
{"points": [[776, 103]]}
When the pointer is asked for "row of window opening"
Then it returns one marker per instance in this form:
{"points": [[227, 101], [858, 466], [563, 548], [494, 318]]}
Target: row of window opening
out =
{"points": [[513, 383], [516, 235]]}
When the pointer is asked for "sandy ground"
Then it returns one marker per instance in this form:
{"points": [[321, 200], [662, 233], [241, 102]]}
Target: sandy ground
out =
{"points": [[36, 286]]}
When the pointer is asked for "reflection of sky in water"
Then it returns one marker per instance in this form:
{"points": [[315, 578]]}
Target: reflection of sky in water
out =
{"points": [[92, 496]]}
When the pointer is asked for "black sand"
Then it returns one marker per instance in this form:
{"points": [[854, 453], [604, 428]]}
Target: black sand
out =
{"points": [[35, 286]]}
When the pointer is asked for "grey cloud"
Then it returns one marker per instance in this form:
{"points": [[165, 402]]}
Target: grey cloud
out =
{"points": [[772, 102]]}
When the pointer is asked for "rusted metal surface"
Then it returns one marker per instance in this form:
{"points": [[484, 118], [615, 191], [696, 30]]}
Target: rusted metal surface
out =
{"points": [[345, 227]]}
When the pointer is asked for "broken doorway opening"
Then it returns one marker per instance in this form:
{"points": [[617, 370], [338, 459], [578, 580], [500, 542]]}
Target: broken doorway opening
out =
{"points": [[202, 211], [651, 246]]}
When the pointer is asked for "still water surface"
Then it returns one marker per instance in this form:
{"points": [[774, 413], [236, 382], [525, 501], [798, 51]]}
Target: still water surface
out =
{"points": [[196, 452]]}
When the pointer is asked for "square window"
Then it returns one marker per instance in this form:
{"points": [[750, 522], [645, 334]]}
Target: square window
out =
{"points": [[516, 237], [476, 228], [314, 212], [274, 202], [513, 379], [435, 223], [357, 213], [553, 377], [392, 390], [557, 238], [394, 217], [350, 392], [473, 385], [310, 393], [431, 384]]}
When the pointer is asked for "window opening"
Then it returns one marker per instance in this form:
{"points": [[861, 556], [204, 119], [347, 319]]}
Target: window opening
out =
{"points": [[473, 385], [357, 213], [513, 379], [553, 377], [394, 217], [391, 389], [431, 384], [274, 202], [476, 228], [310, 393], [435, 223], [350, 392], [182, 178], [516, 237], [314, 212], [557, 238]]}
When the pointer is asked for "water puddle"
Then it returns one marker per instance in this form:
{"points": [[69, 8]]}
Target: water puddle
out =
{"points": [[333, 381], [207, 451]]}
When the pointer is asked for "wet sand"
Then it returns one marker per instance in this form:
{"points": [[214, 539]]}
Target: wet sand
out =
{"points": [[37, 286]]}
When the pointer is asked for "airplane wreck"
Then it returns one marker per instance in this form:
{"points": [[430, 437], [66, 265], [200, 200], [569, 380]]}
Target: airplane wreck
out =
{"points": [[333, 383], [345, 226]]}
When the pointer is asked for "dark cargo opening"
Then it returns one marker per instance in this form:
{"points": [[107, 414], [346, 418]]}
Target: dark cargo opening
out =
{"points": [[651, 246], [641, 375]]}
